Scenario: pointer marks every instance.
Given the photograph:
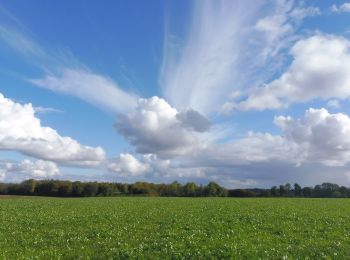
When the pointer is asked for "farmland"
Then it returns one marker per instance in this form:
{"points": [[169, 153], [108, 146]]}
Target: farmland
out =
{"points": [[158, 228]]}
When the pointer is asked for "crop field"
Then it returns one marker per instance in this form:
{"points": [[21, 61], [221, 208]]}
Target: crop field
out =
{"points": [[176, 228]]}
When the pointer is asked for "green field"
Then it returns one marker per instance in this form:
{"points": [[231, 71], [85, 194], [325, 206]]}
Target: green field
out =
{"points": [[176, 228]]}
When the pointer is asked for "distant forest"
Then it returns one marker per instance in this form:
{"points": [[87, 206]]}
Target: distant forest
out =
{"points": [[59, 188]]}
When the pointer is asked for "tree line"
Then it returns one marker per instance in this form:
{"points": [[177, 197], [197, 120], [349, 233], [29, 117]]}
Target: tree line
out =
{"points": [[324, 190], [59, 188]]}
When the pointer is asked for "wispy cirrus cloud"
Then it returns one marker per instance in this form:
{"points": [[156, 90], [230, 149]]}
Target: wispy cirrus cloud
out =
{"points": [[226, 52], [93, 88], [21, 43], [63, 73], [46, 110]]}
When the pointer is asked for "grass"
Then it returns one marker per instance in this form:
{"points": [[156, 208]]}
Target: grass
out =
{"points": [[5, 197], [174, 228]]}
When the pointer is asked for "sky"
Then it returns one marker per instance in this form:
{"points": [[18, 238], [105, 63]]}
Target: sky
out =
{"points": [[243, 93]]}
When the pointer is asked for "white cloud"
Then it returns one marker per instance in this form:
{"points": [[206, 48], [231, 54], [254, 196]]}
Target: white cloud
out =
{"points": [[253, 148], [300, 13], [127, 165], [316, 142], [321, 136], [193, 120], [344, 8], [26, 169], [227, 51], [201, 75], [21, 130], [148, 166], [319, 70], [333, 103], [20, 42], [65, 74], [224, 53], [90, 87], [274, 26], [46, 110], [317, 137], [156, 127], [2, 175], [311, 148]]}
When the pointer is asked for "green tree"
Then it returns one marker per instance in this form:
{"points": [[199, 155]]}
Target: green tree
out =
{"points": [[307, 192], [105, 189], [287, 189], [175, 189], [65, 189], [297, 190], [77, 189], [90, 189], [28, 186], [282, 191], [215, 190], [274, 191], [190, 189], [344, 192]]}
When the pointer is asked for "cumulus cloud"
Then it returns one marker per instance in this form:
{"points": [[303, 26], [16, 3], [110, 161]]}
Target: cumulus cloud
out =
{"points": [[21, 130], [250, 149], [161, 133], [317, 137], [344, 8], [312, 147], [193, 120], [26, 169], [321, 136], [146, 167], [127, 165], [319, 70], [151, 167], [156, 127]]}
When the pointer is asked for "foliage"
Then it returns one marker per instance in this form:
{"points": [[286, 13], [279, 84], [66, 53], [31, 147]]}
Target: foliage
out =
{"points": [[325, 190], [58, 188]]}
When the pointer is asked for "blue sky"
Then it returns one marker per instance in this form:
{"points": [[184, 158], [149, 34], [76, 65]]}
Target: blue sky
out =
{"points": [[175, 90]]}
